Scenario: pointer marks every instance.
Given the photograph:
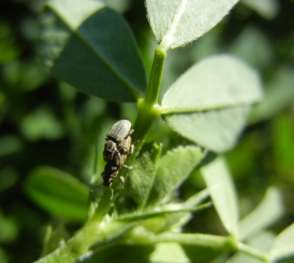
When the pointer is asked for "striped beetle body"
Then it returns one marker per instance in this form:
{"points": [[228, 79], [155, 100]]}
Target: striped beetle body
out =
{"points": [[120, 131], [117, 148]]}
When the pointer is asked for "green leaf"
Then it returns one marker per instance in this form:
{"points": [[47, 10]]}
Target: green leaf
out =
{"points": [[141, 176], [101, 200], [65, 17], [167, 210], [118, 5], [195, 239], [192, 202], [74, 14], [217, 131], [104, 128], [121, 254], [24, 76], [265, 214], [201, 254], [172, 216], [266, 8], [53, 238], [58, 193], [101, 57], [9, 47], [3, 256], [283, 141], [222, 191], [177, 22], [193, 110], [280, 95], [10, 144], [173, 169], [169, 253], [283, 246], [262, 241], [8, 178], [253, 46], [41, 124], [8, 229]]}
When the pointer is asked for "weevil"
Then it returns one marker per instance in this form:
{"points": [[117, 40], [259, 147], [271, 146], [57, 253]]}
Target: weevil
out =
{"points": [[110, 172], [117, 148]]}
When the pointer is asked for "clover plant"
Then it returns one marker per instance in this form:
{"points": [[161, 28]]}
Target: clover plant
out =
{"points": [[206, 109]]}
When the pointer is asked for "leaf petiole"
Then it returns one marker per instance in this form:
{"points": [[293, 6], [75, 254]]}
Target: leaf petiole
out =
{"points": [[148, 106]]}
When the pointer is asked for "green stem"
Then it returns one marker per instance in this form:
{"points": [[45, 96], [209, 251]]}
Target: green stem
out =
{"points": [[89, 235], [153, 214], [201, 240], [99, 235], [253, 252], [220, 243], [153, 89], [147, 108]]}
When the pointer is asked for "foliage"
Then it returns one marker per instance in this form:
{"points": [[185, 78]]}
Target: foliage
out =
{"points": [[211, 177]]}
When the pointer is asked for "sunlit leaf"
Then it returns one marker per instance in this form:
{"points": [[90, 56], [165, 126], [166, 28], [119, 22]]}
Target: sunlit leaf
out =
{"points": [[74, 14], [193, 110], [173, 169], [178, 22], [280, 94], [265, 214], [283, 245], [118, 5], [222, 191], [253, 46], [266, 8], [169, 253]]}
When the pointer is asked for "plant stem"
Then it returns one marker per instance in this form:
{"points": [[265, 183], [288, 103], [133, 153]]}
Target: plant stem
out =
{"points": [[153, 89], [89, 235], [105, 233], [221, 243], [147, 107], [156, 213], [201, 240], [253, 252]]}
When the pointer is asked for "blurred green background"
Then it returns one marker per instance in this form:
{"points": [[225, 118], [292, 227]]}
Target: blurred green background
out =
{"points": [[45, 122]]}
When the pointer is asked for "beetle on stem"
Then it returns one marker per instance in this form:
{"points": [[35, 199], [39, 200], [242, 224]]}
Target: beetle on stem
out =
{"points": [[117, 148]]}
